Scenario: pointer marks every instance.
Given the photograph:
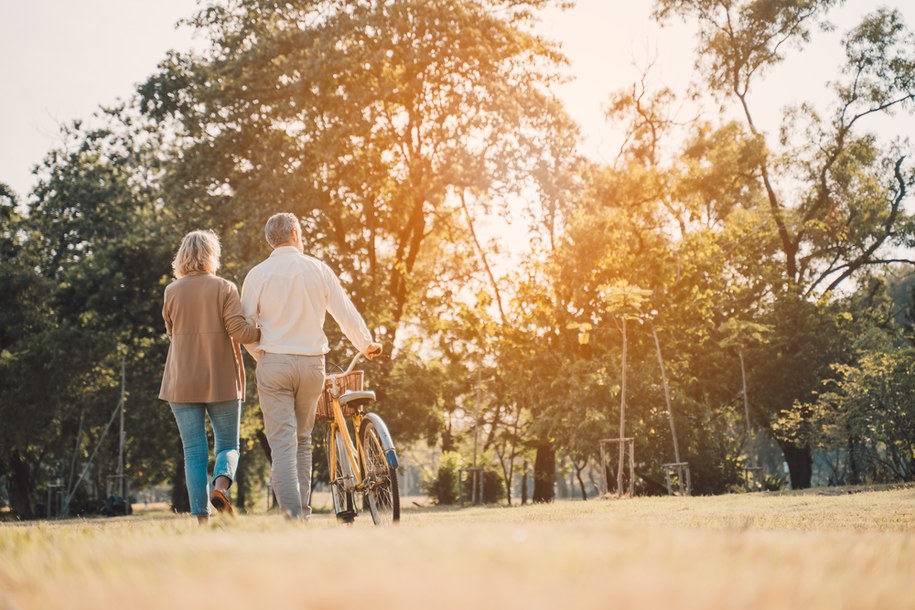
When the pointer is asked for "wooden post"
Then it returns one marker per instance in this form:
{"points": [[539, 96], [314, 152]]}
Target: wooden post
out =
{"points": [[683, 479], [670, 412], [619, 471], [461, 486], [604, 479], [746, 401]]}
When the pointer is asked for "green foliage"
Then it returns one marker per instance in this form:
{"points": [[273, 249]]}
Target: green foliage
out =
{"points": [[738, 40], [389, 128], [868, 413], [393, 129], [773, 483], [493, 487], [739, 333], [623, 298], [445, 488], [442, 486], [371, 121], [88, 292]]}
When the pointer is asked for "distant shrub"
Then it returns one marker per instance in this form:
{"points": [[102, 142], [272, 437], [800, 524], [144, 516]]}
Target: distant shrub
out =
{"points": [[773, 482], [443, 486], [493, 487]]}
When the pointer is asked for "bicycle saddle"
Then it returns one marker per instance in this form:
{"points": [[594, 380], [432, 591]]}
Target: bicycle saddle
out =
{"points": [[357, 397]]}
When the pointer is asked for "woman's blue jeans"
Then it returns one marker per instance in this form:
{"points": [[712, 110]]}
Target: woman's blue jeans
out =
{"points": [[225, 418]]}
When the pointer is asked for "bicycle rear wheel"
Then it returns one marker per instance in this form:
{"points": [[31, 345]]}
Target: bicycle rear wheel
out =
{"points": [[342, 481], [381, 490]]}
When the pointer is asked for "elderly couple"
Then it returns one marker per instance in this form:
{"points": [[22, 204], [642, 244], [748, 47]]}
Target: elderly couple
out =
{"points": [[279, 319]]}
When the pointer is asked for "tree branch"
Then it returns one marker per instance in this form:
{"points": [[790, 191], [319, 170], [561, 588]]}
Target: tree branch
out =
{"points": [[483, 258], [865, 257]]}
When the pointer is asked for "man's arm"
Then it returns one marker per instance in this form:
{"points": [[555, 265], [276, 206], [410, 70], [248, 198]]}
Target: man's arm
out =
{"points": [[250, 291], [344, 312]]}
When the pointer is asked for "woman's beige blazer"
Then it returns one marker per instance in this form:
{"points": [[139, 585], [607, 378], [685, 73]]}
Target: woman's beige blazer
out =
{"points": [[205, 325]]}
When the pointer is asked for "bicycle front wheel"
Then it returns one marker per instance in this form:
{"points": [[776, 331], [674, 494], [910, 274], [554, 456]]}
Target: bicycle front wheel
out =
{"points": [[381, 490]]}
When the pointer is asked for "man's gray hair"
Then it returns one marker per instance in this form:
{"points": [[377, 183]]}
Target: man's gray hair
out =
{"points": [[279, 226]]}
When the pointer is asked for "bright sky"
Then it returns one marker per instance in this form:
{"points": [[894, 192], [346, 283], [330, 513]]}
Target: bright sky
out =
{"points": [[61, 59]]}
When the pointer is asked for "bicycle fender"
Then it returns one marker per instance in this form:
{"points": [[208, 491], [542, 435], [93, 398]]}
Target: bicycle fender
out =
{"points": [[387, 443]]}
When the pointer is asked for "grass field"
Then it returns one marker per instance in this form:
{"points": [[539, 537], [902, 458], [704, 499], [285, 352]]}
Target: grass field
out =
{"points": [[810, 550]]}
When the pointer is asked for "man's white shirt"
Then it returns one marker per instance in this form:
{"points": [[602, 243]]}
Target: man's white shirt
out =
{"points": [[287, 296]]}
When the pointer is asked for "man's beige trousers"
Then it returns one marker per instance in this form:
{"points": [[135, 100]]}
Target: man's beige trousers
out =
{"points": [[288, 387]]}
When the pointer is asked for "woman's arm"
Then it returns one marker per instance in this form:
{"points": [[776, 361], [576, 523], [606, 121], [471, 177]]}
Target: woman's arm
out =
{"points": [[166, 315], [233, 318]]}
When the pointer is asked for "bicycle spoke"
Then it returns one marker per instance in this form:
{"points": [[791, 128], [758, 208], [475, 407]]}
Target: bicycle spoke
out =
{"points": [[381, 482]]}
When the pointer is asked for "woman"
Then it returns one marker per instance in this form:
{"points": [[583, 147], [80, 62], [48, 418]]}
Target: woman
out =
{"points": [[204, 373]]}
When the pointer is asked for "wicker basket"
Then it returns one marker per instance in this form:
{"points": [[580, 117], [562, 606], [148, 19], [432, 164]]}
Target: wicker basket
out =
{"points": [[350, 383]]}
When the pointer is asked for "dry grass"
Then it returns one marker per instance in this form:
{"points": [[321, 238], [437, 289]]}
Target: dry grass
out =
{"points": [[742, 551]]}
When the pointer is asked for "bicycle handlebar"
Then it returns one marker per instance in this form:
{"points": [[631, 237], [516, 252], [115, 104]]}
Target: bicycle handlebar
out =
{"points": [[352, 364]]}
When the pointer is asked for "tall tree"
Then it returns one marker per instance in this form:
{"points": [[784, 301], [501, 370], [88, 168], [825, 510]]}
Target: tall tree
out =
{"points": [[389, 128], [90, 260], [367, 119], [835, 195]]}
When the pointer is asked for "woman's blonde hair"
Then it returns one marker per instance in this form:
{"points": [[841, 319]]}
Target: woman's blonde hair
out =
{"points": [[199, 251]]}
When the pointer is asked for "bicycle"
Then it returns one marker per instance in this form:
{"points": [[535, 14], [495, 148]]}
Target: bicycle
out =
{"points": [[367, 466]]}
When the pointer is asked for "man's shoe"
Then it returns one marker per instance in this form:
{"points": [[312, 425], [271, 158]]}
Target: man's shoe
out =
{"points": [[221, 502]]}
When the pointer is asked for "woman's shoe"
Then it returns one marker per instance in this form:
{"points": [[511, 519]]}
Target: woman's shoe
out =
{"points": [[221, 502]]}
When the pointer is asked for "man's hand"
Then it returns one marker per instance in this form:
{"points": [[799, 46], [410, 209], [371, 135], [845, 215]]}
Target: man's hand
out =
{"points": [[372, 351]]}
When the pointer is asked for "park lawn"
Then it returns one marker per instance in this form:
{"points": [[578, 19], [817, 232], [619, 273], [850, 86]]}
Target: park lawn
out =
{"points": [[804, 550]]}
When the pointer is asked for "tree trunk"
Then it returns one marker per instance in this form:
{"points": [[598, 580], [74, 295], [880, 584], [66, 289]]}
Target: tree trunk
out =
{"points": [[508, 488], [181, 503], [20, 488], [562, 487], [507, 472], [447, 438], [800, 464], [581, 483], [854, 472], [242, 485], [544, 472], [265, 446], [524, 484]]}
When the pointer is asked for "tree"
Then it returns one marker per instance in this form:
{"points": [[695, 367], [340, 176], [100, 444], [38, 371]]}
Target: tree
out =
{"points": [[23, 313], [369, 122], [92, 256], [834, 195], [389, 128], [866, 415]]}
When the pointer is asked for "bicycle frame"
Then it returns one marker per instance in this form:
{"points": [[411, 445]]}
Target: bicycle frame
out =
{"points": [[365, 464], [354, 451]]}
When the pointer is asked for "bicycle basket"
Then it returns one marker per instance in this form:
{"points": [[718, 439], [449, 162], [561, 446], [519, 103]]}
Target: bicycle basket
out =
{"points": [[349, 383]]}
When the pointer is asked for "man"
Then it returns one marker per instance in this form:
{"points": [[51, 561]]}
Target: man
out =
{"points": [[287, 297]]}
